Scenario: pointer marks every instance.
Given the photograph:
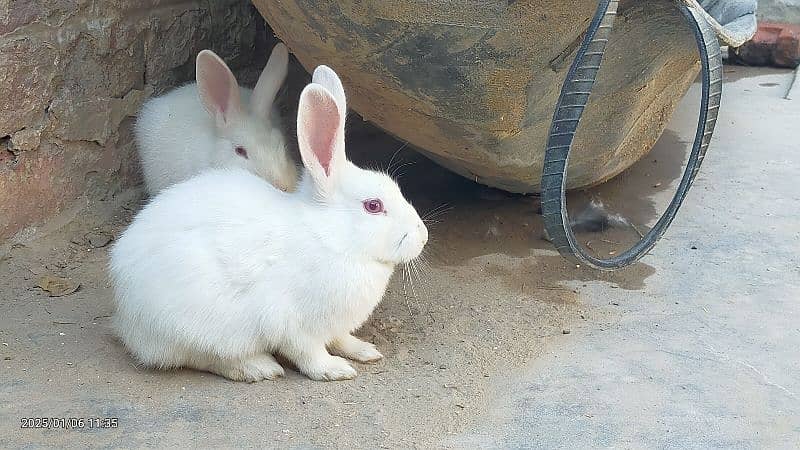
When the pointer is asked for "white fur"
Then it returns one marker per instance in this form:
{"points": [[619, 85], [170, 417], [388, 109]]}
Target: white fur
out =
{"points": [[221, 271], [184, 132]]}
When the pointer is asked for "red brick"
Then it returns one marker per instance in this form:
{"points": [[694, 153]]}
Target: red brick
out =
{"points": [[775, 44]]}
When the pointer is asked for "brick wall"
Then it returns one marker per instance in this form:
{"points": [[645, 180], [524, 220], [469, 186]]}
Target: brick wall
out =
{"points": [[74, 72]]}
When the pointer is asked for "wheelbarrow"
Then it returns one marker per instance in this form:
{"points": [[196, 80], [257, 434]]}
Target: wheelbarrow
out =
{"points": [[474, 85]]}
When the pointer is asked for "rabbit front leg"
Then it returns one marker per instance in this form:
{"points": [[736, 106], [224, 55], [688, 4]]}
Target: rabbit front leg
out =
{"points": [[354, 348], [312, 359], [250, 369]]}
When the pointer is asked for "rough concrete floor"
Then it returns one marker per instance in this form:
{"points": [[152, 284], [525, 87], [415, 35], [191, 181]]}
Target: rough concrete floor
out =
{"points": [[501, 344]]}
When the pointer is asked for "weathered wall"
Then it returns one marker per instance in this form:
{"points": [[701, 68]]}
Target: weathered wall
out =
{"points": [[72, 74]]}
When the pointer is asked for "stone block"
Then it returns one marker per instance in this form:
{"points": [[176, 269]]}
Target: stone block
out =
{"points": [[74, 73]]}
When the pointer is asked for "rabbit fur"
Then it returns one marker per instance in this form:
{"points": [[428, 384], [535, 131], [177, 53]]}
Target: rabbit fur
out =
{"points": [[222, 271], [214, 123]]}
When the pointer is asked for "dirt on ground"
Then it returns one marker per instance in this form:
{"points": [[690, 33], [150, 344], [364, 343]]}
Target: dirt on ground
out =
{"points": [[490, 297]]}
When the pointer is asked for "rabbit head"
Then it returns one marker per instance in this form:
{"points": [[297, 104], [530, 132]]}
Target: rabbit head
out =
{"points": [[247, 137], [381, 223]]}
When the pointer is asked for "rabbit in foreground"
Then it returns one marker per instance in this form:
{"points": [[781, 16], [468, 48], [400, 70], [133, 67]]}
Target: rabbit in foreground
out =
{"points": [[221, 271], [216, 124]]}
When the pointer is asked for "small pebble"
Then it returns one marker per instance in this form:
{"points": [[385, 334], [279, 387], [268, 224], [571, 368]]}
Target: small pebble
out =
{"points": [[566, 331], [99, 240]]}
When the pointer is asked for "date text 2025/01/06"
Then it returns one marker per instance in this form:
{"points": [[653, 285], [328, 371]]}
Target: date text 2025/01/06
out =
{"points": [[68, 423]]}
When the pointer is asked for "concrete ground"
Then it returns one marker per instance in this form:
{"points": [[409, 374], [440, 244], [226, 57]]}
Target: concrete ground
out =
{"points": [[500, 343]]}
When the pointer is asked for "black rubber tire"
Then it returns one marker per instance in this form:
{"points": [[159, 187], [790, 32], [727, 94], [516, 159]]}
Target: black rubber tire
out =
{"points": [[575, 94]]}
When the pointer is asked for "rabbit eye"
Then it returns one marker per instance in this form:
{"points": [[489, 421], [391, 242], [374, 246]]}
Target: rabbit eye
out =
{"points": [[241, 152], [374, 206]]}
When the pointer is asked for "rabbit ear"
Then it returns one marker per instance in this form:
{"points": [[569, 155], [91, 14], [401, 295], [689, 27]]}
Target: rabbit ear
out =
{"points": [[217, 88], [326, 77], [320, 135], [270, 81]]}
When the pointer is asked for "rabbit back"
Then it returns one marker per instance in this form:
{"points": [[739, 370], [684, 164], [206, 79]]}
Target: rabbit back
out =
{"points": [[175, 138]]}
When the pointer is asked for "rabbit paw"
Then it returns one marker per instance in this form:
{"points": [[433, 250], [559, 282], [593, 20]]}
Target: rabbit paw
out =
{"points": [[255, 368], [354, 348], [331, 368]]}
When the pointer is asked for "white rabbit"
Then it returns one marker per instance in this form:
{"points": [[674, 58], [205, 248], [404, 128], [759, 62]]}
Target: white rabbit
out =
{"points": [[216, 124], [222, 271]]}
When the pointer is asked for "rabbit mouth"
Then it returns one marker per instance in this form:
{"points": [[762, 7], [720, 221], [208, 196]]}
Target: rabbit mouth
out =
{"points": [[396, 257], [402, 239], [400, 246], [402, 251]]}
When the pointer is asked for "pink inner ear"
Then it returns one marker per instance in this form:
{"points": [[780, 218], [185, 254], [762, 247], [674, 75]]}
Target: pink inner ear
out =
{"points": [[215, 83], [321, 123], [217, 89]]}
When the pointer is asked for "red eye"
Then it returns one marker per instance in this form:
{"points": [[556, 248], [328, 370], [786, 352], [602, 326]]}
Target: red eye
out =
{"points": [[241, 152], [373, 206]]}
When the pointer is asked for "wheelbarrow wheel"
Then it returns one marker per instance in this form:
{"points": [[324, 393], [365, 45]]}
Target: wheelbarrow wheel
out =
{"points": [[574, 96]]}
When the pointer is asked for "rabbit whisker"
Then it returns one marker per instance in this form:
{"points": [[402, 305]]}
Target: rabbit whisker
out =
{"points": [[411, 282], [397, 169], [424, 269], [405, 292], [415, 270], [437, 211], [431, 221], [389, 166]]}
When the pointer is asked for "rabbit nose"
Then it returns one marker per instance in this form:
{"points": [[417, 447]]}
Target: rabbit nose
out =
{"points": [[423, 230]]}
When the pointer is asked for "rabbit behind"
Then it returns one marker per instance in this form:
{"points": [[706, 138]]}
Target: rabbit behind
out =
{"points": [[222, 271], [214, 123]]}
